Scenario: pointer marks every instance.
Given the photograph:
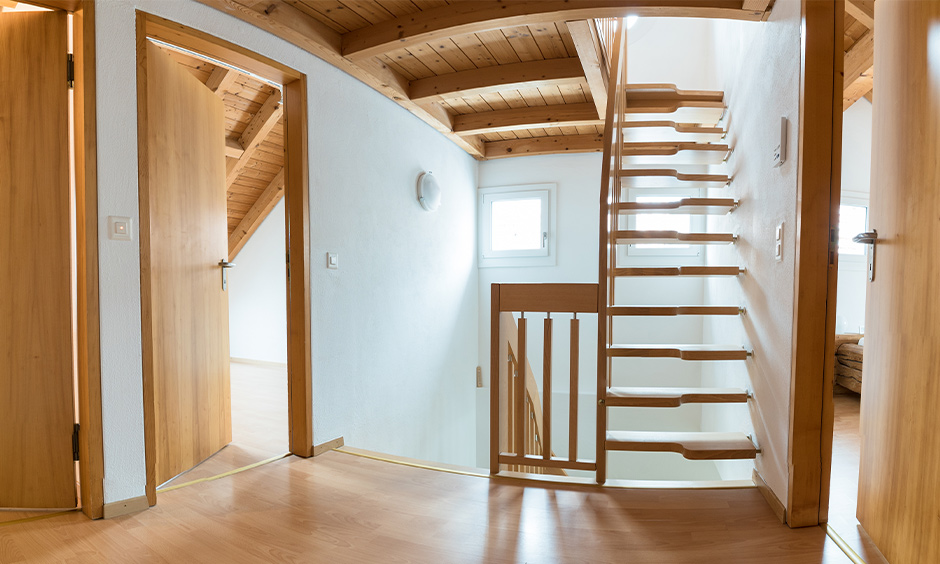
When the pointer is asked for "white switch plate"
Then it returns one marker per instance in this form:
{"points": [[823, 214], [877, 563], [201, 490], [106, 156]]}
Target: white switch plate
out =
{"points": [[119, 228], [778, 248], [332, 261], [780, 151]]}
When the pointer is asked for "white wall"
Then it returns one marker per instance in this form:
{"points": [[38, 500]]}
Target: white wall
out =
{"points": [[257, 294], [394, 329], [759, 65], [658, 52], [856, 187]]}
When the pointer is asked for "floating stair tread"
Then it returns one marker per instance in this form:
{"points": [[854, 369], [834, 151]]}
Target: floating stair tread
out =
{"points": [[672, 397], [665, 91], [702, 113], [665, 131], [682, 352], [672, 237], [677, 271], [691, 445], [696, 206], [659, 153], [673, 310], [669, 178]]}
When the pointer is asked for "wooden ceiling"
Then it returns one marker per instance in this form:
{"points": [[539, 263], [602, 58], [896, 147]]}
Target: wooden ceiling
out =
{"points": [[254, 131], [859, 45], [498, 77]]}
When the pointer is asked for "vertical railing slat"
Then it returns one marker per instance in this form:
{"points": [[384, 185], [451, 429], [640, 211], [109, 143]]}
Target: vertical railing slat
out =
{"points": [[573, 391], [520, 410], [547, 390]]}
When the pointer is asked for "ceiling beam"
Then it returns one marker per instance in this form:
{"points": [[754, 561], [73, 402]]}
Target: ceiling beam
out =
{"points": [[545, 146], [531, 74], [258, 128], [220, 80], [461, 18], [233, 149], [527, 118], [593, 63], [870, 96], [863, 11], [859, 69], [269, 198], [284, 21]]}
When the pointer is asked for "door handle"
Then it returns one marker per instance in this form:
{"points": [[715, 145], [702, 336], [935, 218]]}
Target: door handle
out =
{"points": [[869, 238], [225, 266]]}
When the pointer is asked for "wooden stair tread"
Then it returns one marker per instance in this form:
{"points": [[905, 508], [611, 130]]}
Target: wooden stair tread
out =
{"points": [[669, 178], [691, 445], [672, 237], [677, 271], [671, 397], [665, 131], [682, 352], [702, 113], [673, 310], [666, 91], [675, 153], [683, 206]]}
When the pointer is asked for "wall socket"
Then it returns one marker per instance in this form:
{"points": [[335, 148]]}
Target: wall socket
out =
{"points": [[479, 377], [778, 246]]}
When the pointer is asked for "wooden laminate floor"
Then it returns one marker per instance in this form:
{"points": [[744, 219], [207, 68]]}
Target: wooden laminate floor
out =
{"points": [[340, 508]]}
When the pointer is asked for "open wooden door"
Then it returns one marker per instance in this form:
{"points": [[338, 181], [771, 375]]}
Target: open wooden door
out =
{"points": [[899, 478], [184, 237], [36, 399]]}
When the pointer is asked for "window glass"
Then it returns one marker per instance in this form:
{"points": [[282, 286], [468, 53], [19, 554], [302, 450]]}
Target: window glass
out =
{"points": [[516, 224], [852, 221]]}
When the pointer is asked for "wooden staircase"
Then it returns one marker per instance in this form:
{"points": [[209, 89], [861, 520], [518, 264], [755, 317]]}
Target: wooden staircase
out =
{"points": [[652, 133]]}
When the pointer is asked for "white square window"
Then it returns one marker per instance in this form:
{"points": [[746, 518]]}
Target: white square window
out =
{"points": [[651, 221], [515, 225]]}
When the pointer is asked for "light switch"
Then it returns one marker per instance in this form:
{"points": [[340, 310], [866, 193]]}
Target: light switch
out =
{"points": [[119, 228], [332, 261], [780, 151], [778, 248]]}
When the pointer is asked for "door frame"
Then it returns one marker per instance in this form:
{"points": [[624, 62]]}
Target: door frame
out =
{"points": [[297, 229]]}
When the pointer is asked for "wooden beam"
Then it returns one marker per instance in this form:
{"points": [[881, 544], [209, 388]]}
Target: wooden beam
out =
{"points": [[463, 18], [858, 76], [269, 198], [593, 62], [233, 148], [527, 118], [531, 74], [870, 96], [220, 80], [863, 11], [261, 124], [545, 146], [284, 21]]}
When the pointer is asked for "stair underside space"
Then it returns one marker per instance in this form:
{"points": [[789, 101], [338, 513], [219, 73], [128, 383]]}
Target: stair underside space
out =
{"points": [[698, 206], [631, 237], [677, 271], [671, 397], [669, 178], [692, 445], [682, 352], [706, 114], [670, 131], [669, 311]]}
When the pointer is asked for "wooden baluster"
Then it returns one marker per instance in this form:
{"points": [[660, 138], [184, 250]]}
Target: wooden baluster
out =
{"points": [[546, 442], [520, 410], [573, 390]]}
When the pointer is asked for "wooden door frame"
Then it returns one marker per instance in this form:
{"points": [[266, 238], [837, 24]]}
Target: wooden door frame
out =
{"points": [[297, 230], [816, 263]]}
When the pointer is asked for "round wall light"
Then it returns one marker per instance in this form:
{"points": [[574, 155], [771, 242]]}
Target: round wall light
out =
{"points": [[429, 191]]}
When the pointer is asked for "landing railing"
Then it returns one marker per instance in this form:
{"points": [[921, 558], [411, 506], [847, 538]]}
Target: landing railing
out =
{"points": [[521, 425]]}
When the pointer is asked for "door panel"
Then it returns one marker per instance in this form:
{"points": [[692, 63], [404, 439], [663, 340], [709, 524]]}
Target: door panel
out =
{"points": [[36, 399], [188, 238], [899, 479]]}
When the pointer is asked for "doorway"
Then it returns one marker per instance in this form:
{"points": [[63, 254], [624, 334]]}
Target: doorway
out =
{"points": [[218, 153]]}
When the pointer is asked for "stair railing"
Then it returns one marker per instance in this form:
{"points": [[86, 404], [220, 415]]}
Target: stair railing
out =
{"points": [[521, 424]]}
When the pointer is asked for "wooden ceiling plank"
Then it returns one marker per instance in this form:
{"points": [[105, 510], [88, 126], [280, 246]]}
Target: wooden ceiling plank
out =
{"points": [[527, 118], [491, 79], [255, 215], [472, 17], [431, 59], [455, 57], [859, 69], [412, 64], [587, 42], [548, 38], [473, 48], [862, 85], [261, 124], [862, 10], [497, 44], [545, 146], [220, 80], [522, 42]]}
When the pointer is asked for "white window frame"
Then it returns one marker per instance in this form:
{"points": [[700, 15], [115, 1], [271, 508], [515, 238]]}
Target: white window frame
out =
{"points": [[855, 262], [697, 224], [538, 257]]}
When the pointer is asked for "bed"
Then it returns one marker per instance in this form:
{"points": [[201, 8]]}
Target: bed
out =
{"points": [[848, 362]]}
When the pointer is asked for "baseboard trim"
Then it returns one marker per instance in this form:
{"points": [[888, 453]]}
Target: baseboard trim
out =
{"points": [[267, 363], [125, 507], [327, 446], [779, 509]]}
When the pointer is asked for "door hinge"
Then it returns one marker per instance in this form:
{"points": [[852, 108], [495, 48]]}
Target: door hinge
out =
{"points": [[75, 430], [70, 71], [288, 266]]}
